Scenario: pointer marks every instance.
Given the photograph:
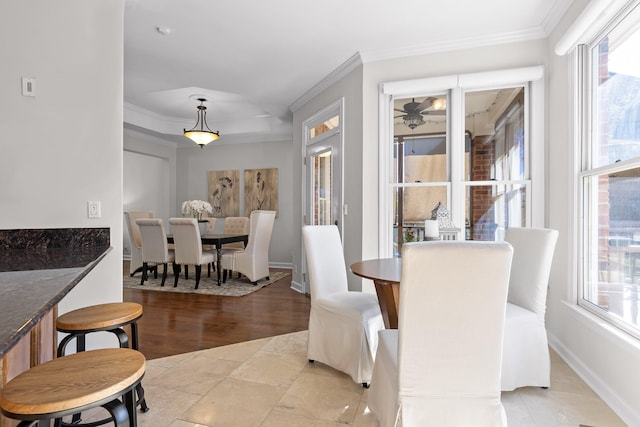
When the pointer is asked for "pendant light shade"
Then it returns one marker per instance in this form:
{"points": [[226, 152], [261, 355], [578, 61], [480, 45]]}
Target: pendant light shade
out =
{"points": [[201, 134]]}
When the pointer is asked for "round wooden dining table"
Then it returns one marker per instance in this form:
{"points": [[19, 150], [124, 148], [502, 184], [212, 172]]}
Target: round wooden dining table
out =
{"points": [[385, 274]]}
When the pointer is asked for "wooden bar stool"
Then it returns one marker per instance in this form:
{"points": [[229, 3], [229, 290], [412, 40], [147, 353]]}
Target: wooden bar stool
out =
{"points": [[110, 317], [75, 383]]}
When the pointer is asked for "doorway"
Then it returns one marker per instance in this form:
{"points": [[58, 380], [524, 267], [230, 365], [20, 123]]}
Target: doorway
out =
{"points": [[322, 154]]}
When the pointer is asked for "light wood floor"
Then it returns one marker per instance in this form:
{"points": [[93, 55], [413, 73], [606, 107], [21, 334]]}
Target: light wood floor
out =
{"points": [[179, 323]]}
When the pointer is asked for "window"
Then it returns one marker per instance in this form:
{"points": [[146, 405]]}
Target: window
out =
{"points": [[471, 143], [610, 175]]}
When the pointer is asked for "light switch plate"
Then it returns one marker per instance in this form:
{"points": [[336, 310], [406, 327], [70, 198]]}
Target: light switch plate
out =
{"points": [[28, 86]]}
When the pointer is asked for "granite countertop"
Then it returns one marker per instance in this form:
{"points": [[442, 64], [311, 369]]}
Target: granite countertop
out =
{"points": [[34, 279]]}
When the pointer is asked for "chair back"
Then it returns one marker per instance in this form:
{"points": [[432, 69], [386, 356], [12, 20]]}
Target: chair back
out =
{"points": [[453, 297], [533, 250], [186, 240], [260, 229], [325, 260], [211, 225], [134, 238], [132, 226], [154, 240], [235, 225]]}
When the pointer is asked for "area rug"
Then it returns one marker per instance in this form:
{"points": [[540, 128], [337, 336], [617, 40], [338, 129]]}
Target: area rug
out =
{"points": [[233, 287]]}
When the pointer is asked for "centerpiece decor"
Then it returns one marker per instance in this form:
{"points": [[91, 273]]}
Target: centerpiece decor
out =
{"points": [[196, 209]]}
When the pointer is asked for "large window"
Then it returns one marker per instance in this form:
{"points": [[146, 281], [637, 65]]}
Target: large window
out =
{"points": [[610, 176], [464, 143]]}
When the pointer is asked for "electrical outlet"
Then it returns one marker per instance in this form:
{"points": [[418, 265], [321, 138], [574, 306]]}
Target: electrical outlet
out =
{"points": [[94, 210]]}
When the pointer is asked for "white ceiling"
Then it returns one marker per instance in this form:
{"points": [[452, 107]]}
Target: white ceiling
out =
{"points": [[253, 59]]}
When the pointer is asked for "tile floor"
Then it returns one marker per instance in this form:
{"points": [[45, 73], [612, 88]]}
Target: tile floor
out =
{"points": [[269, 383]]}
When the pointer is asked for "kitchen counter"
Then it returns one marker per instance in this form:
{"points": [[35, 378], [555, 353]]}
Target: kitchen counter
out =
{"points": [[35, 277]]}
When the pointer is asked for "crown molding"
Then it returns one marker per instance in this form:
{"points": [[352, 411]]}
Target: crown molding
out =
{"points": [[345, 68], [554, 16], [527, 34], [533, 33]]}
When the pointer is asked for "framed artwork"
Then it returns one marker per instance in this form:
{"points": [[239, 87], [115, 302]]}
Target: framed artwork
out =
{"points": [[260, 190], [224, 193]]}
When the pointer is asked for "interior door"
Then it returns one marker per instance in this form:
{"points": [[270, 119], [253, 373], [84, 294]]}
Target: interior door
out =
{"points": [[324, 183]]}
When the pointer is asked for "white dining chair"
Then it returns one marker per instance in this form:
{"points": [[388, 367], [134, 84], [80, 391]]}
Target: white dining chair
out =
{"points": [[253, 260], [135, 265], [188, 247], [441, 367], [525, 360], [235, 225], [155, 249], [343, 324]]}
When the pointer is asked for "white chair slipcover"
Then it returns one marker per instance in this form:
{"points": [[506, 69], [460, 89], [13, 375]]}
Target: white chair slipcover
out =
{"points": [[343, 325], [525, 359], [441, 367], [253, 261], [188, 247], [155, 249], [134, 237]]}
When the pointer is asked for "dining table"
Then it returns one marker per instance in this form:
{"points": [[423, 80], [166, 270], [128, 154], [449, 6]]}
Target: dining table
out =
{"points": [[385, 273], [218, 240]]}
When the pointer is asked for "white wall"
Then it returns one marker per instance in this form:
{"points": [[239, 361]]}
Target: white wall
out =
{"points": [[194, 163], [64, 147]]}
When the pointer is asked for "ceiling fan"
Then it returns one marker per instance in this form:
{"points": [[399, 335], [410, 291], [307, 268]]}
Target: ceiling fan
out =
{"points": [[414, 112]]}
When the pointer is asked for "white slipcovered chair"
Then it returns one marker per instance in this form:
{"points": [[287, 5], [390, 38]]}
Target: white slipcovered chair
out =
{"points": [[343, 324], [131, 217], [188, 247], [253, 260], [155, 249], [525, 360], [441, 367]]}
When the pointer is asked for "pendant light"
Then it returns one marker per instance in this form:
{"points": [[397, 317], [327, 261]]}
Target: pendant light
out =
{"points": [[201, 134]]}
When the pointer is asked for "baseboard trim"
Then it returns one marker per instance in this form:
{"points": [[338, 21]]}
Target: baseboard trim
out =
{"points": [[298, 287]]}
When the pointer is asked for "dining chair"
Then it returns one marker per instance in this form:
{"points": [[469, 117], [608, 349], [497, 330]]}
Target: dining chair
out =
{"points": [[211, 225], [343, 324], [235, 225], [441, 367], [210, 228], [134, 237], [525, 360], [188, 247], [155, 249], [253, 260]]}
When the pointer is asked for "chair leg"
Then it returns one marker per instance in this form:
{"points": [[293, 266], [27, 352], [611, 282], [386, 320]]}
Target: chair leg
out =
{"points": [[209, 270], [155, 271], [224, 276], [198, 271], [176, 274], [186, 272], [144, 273], [164, 274]]}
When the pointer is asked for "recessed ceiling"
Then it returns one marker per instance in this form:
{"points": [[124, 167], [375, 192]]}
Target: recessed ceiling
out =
{"points": [[253, 59]]}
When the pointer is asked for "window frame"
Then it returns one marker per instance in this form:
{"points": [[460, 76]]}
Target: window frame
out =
{"points": [[456, 86], [586, 106]]}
